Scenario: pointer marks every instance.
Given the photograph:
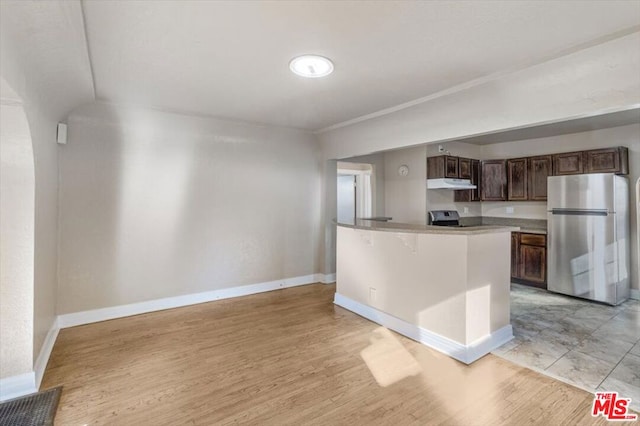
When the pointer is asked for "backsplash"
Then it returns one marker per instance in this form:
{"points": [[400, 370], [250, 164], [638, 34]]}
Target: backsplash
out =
{"points": [[504, 221], [515, 209]]}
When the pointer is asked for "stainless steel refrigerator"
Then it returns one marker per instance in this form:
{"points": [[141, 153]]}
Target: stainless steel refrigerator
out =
{"points": [[588, 236]]}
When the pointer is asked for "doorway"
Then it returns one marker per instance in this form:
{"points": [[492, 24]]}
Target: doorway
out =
{"points": [[346, 198], [354, 192]]}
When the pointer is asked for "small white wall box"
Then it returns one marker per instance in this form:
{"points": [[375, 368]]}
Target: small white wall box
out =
{"points": [[62, 133]]}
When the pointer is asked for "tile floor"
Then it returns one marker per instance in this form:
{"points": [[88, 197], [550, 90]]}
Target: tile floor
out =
{"points": [[587, 344]]}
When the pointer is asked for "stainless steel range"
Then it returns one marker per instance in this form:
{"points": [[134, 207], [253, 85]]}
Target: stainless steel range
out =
{"points": [[444, 218]]}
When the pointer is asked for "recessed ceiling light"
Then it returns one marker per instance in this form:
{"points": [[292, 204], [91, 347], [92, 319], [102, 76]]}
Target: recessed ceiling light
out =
{"points": [[311, 66]]}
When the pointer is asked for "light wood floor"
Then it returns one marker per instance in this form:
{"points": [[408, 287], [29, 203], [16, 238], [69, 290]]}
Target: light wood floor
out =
{"points": [[287, 357]]}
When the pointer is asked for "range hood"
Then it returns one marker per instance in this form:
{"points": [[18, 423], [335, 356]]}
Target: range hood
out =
{"points": [[449, 183]]}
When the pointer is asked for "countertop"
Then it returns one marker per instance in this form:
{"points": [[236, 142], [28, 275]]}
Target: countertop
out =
{"points": [[530, 226], [425, 229], [533, 231]]}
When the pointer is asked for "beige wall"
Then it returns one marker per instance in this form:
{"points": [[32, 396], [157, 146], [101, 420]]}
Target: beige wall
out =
{"points": [[42, 126], [43, 134], [17, 192], [51, 76], [405, 196], [156, 205]]}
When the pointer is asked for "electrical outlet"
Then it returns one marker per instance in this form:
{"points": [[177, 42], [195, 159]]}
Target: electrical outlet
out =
{"points": [[440, 148], [509, 210], [372, 294]]}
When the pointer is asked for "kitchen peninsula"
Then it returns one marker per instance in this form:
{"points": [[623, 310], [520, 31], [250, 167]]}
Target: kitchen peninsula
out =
{"points": [[447, 288]]}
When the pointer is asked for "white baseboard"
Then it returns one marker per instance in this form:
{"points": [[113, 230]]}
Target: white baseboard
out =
{"points": [[45, 352], [635, 294], [326, 278], [103, 314], [463, 353], [17, 386]]}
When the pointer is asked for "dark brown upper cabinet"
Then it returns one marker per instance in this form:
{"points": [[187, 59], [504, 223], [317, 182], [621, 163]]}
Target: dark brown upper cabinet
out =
{"points": [[609, 160], [568, 163], [442, 166], [494, 180], [538, 170], [517, 179], [469, 194], [464, 168]]}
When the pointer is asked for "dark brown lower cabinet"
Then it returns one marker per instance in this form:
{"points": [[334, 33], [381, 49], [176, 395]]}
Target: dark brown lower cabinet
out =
{"points": [[515, 255], [533, 264], [529, 259]]}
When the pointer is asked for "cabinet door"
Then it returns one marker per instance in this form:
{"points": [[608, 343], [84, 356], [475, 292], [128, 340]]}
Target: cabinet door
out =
{"points": [[517, 179], [451, 167], [494, 180], [533, 263], [462, 195], [569, 163], [464, 168], [469, 194], [435, 167], [539, 169], [515, 255], [610, 160]]}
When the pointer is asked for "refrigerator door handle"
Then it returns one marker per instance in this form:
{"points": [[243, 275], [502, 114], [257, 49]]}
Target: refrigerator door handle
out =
{"points": [[580, 212]]}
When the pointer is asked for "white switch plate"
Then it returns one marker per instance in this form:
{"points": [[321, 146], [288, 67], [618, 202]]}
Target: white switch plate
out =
{"points": [[465, 210], [509, 210], [372, 294]]}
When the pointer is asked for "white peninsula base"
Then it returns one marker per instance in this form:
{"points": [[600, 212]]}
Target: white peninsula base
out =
{"points": [[446, 288]]}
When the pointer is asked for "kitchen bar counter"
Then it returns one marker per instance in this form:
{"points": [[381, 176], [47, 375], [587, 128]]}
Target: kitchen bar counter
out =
{"points": [[426, 229], [533, 231], [529, 226], [447, 288]]}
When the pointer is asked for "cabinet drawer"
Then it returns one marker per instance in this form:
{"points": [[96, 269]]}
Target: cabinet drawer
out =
{"points": [[533, 239]]}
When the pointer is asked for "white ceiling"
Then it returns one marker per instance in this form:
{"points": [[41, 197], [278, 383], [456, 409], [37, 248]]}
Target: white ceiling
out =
{"points": [[230, 59]]}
